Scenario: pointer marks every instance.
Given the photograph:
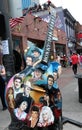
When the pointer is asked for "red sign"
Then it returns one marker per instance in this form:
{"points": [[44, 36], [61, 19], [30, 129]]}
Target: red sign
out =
{"points": [[79, 35]]}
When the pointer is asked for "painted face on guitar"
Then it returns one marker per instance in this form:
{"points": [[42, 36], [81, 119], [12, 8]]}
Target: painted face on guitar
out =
{"points": [[29, 61]]}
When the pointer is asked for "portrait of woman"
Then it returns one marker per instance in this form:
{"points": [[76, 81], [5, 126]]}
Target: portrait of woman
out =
{"points": [[20, 110], [46, 117]]}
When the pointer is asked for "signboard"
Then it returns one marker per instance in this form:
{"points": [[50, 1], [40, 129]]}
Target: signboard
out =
{"points": [[79, 35], [5, 47]]}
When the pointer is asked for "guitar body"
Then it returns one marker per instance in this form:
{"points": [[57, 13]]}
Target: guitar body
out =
{"points": [[28, 91]]}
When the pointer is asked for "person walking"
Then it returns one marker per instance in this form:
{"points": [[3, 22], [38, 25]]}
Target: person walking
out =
{"points": [[75, 61]]}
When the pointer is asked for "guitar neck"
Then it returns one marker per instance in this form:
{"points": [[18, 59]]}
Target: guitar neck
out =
{"points": [[47, 44]]}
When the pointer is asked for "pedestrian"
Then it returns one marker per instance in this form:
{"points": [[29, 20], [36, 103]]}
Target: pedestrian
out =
{"points": [[69, 61], [64, 60], [81, 59], [2, 92], [58, 58], [2, 85], [75, 61], [3, 72]]}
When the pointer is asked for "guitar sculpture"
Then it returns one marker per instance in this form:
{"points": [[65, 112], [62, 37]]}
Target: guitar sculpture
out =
{"points": [[32, 99]]}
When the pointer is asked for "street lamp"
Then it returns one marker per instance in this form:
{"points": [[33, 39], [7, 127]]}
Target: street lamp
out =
{"points": [[6, 40], [81, 43], [70, 44]]}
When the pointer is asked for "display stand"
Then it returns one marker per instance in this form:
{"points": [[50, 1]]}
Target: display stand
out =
{"points": [[71, 121]]}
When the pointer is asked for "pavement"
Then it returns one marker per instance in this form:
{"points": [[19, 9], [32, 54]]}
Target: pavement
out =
{"points": [[72, 108]]}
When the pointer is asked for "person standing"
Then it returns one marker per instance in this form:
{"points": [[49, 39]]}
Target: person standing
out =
{"points": [[2, 92], [58, 58], [3, 72], [75, 61], [81, 59], [2, 86]]}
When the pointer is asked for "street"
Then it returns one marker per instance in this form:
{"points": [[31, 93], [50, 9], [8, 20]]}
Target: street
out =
{"points": [[72, 109]]}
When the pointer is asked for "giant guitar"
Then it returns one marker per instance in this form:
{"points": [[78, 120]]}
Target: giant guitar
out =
{"points": [[24, 90]]}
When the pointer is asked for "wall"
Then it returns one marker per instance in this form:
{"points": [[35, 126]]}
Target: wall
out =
{"points": [[15, 8]]}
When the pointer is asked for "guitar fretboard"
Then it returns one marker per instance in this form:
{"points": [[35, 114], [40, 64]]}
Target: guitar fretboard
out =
{"points": [[47, 44]]}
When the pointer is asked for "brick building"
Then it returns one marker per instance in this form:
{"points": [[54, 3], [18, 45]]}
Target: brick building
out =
{"points": [[78, 29]]}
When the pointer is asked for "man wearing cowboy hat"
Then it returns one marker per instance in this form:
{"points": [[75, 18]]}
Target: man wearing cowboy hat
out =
{"points": [[36, 54]]}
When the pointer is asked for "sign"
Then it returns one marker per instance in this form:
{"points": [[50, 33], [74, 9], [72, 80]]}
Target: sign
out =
{"points": [[5, 47], [79, 35]]}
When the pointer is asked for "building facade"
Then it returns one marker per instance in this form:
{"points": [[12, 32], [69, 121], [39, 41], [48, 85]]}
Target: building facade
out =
{"points": [[70, 31], [38, 27], [64, 37], [78, 29]]}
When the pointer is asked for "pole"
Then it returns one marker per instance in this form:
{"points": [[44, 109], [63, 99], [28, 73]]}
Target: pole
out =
{"points": [[7, 42]]}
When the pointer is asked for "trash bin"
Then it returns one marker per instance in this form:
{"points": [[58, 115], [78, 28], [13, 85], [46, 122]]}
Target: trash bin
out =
{"points": [[79, 76]]}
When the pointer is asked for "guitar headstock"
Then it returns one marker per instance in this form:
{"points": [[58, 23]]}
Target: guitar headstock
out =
{"points": [[53, 11]]}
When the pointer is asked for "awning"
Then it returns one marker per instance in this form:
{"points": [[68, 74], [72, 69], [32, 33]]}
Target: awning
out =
{"points": [[15, 21]]}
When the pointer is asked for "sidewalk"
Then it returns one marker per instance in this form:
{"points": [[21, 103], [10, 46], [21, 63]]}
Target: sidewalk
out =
{"points": [[72, 109]]}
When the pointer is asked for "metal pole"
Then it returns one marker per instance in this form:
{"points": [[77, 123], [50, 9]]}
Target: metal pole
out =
{"points": [[7, 42]]}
